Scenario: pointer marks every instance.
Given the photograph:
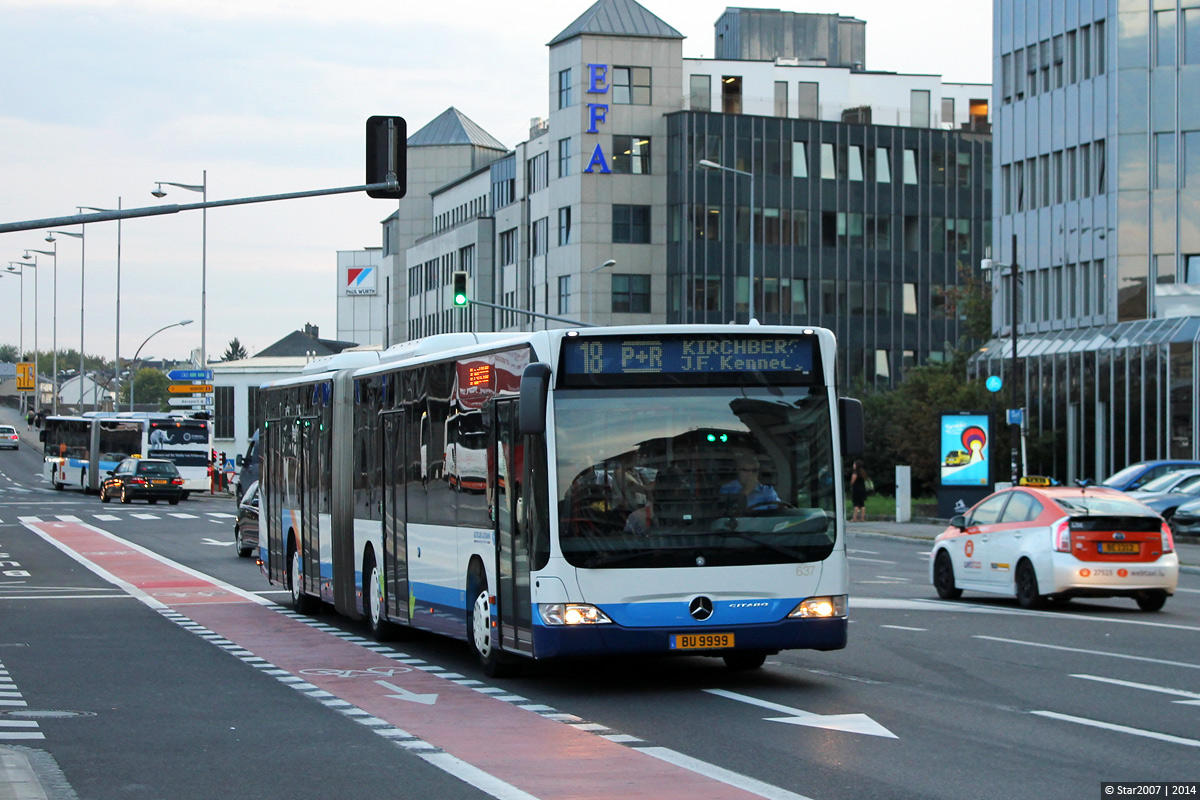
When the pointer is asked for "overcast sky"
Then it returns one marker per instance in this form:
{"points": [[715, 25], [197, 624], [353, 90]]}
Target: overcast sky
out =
{"points": [[100, 99]]}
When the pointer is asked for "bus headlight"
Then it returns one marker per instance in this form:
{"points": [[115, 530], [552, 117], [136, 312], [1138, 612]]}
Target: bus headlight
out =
{"points": [[818, 607], [572, 614]]}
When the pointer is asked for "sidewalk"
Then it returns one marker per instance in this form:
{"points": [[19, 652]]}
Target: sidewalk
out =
{"points": [[1189, 551]]}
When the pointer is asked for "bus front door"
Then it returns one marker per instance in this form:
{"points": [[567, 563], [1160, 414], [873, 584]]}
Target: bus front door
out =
{"points": [[512, 541], [395, 514]]}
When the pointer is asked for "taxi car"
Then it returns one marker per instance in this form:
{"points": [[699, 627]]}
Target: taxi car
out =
{"points": [[1055, 542], [9, 437], [150, 479]]}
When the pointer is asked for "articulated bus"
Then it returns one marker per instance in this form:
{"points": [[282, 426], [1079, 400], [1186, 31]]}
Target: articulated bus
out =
{"points": [[644, 490], [79, 451]]}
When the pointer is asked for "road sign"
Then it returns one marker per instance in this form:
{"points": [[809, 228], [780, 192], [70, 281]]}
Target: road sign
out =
{"points": [[1016, 416], [198, 400], [26, 381], [190, 388], [190, 374]]}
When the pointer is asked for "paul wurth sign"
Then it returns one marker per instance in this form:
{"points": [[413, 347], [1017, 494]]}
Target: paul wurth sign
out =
{"points": [[361, 280]]}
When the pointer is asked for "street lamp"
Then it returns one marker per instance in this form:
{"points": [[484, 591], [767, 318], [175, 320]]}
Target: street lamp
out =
{"points": [[605, 265], [706, 164], [82, 299], [203, 190], [133, 364], [53, 314], [37, 380], [1014, 270], [117, 349]]}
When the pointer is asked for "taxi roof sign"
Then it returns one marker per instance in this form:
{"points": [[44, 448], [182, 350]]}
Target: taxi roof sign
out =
{"points": [[1035, 480]]}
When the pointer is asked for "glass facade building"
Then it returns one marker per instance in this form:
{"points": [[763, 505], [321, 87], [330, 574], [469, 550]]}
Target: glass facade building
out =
{"points": [[1098, 187]]}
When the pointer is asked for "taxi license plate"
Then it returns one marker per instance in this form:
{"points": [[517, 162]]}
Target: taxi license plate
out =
{"points": [[1120, 547], [701, 641], [158, 482]]}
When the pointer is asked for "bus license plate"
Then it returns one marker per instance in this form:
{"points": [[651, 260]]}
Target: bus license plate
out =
{"points": [[701, 641], [1119, 547]]}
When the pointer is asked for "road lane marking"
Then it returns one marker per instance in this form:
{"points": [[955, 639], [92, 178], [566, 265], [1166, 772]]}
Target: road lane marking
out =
{"points": [[1108, 726], [728, 777], [897, 604], [1188, 591], [903, 628], [872, 560], [1193, 698], [849, 723], [1082, 651], [868, 552]]}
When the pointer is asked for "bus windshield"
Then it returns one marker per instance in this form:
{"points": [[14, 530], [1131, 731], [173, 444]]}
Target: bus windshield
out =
{"points": [[694, 477]]}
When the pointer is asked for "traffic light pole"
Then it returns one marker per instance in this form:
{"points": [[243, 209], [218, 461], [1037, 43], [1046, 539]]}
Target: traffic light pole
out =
{"points": [[531, 313]]}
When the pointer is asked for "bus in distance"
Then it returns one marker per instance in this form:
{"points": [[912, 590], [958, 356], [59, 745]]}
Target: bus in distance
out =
{"points": [[645, 490], [80, 451]]}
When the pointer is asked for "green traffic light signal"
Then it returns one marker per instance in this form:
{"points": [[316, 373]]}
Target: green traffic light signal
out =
{"points": [[458, 293]]}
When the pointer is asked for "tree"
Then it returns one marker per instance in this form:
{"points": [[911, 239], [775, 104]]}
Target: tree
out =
{"points": [[8, 353], [235, 351], [149, 386]]}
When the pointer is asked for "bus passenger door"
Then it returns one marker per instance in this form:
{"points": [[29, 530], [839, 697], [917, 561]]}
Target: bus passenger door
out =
{"points": [[395, 514], [310, 527], [512, 541], [274, 500]]}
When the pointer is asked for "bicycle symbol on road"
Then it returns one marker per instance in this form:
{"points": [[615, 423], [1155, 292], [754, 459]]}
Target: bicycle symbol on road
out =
{"points": [[373, 672]]}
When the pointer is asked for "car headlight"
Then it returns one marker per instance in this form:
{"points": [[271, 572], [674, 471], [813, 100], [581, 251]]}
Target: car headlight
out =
{"points": [[821, 607], [572, 614]]}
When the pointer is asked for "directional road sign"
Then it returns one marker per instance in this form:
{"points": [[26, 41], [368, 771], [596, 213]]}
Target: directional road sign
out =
{"points": [[25, 378], [190, 388], [190, 374], [198, 400]]}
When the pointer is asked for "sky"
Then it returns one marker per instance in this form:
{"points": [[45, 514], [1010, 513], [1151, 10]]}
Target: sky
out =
{"points": [[101, 99]]}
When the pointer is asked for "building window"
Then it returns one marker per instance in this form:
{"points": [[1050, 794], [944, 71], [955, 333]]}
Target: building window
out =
{"points": [[254, 409], [1058, 62], [537, 173], [1019, 74], [631, 155], [466, 259], [564, 294], [223, 412], [631, 224], [1191, 35], [800, 160], [854, 166], [700, 87], [828, 164], [910, 167], [808, 97], [1006, 78], [1164, 161], [631, 86], [918, 113], [564, 157], [910, 299], [781, 103], [564, 225], [1085, 51], [883, 165], [1071, 58], [564, 88], [731, 94], [508, 247], [630, 294], [1164, 38], [947, 111], [539, 237]]}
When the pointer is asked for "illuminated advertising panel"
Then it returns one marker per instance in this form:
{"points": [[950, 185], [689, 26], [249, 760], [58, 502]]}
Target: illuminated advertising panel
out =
{"points": [[964, 452]]}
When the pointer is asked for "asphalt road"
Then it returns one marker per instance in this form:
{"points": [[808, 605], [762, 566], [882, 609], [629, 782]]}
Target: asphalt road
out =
{"points": [[117, 697]]}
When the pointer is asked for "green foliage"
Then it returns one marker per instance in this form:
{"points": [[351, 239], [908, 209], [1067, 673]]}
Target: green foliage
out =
{"points": [[9, 354], [235, 351], [67, 359], [149, 386]]}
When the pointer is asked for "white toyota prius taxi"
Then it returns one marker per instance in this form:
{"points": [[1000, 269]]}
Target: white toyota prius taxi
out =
{"points": [[1056, 543]]}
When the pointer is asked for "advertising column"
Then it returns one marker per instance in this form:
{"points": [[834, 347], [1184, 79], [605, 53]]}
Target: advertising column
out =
{"points": [[965, 471]]}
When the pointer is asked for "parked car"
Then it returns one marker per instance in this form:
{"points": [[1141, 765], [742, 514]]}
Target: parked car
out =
{"points": [[245, 527], [1135, 476], [9, 438], [1164, 483], [1186, 519], [1057, 543], [1166, 503], [150, 479]]}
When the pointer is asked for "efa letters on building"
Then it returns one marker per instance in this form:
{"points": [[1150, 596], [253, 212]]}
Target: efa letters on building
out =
{"points": [[597, 80]]}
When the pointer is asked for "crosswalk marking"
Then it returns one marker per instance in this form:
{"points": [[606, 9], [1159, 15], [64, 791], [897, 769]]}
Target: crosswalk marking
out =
{"points": [[67, 518], [33, 520], [181, 515], [145, 516], [108, 518]]}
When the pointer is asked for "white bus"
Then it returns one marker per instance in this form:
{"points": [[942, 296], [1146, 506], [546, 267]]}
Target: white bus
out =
{"points": [[79, 451], [659, 489]]}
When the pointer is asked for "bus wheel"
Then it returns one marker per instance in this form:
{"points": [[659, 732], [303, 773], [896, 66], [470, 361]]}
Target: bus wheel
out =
{"points": [[745, 660], [381, 629], [58, 486], [301, 602], [479, 631]]}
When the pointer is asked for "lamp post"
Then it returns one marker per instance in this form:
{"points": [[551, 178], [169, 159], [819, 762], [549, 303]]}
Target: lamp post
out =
{"points": [[21, 323], [117, 348], [133, 364], [37, 381], [82, 298], [605, 265], [1016, 432], [53, 316], [203, 189], [706, 164]]}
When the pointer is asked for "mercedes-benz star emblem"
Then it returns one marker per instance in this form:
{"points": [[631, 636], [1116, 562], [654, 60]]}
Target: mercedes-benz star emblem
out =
{"points": [[701, 608]]}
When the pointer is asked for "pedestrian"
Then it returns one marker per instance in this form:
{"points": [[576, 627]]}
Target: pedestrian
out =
{"points": [[858, 491], [224, 474], [29, 420]]}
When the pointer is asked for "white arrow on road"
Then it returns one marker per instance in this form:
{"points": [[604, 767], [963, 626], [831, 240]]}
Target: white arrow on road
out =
{"points": [[405, 694], [847, 723], [216, 543]]}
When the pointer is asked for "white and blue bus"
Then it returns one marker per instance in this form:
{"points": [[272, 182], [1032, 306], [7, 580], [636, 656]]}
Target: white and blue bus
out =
{"points": [[79, 451], [647, 490]]}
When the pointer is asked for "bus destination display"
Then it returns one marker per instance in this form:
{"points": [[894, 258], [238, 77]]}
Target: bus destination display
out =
{"points": [[676, 355]]}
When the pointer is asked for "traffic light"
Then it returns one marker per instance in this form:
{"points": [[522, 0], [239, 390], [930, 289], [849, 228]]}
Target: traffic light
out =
{"points": [[459, 288]]}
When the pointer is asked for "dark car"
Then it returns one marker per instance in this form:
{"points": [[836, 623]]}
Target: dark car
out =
{"points": [[1167, 502], [1186, 519], [1137, 475], [247, 467], [150, 479], [245, 528]]}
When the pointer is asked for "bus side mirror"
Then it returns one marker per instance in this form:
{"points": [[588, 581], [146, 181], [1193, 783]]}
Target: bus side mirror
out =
{"points": [[850, 412], [42, 436], [535, 384]]}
